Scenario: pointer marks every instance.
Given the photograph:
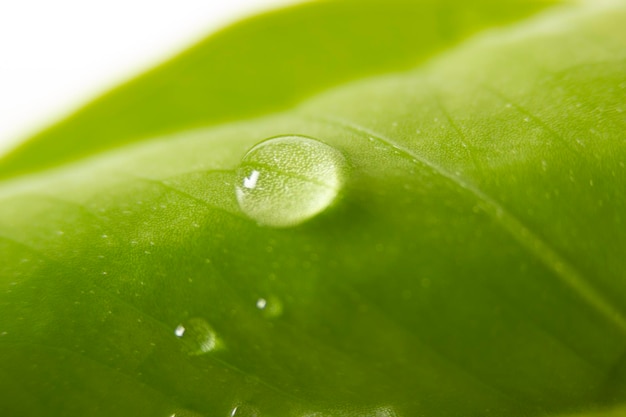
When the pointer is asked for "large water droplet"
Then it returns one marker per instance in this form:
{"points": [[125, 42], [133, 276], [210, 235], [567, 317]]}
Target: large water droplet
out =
{"points": [[286, 180], [198, 336]]}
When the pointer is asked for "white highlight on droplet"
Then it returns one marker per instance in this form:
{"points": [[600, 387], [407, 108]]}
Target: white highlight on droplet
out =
{"points": [[180, 330], [250, 181], [261, 303]]}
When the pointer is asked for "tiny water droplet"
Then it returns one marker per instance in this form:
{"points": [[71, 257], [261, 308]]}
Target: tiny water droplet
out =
{"points": [[287, 180], [198, 336], [244, 411], [271, 306]]}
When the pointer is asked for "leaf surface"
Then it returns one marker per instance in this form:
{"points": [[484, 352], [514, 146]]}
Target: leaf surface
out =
{"points": [[472, 265]]}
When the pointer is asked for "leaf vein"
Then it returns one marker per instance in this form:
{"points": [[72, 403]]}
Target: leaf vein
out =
{"points": [[530, 241]]}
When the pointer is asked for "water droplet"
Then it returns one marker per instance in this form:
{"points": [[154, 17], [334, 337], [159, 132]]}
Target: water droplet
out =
{"points": [[244, 411], [261, 303], [198, 336], [180, 330], [271, 306], [287, 180]]}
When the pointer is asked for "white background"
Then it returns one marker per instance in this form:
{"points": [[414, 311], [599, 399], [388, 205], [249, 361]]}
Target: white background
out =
{"points": [[57, 54]]}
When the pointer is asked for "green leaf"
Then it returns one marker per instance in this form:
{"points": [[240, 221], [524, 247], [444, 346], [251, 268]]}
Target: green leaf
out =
{"points": [[468, 262], [264, 64]]}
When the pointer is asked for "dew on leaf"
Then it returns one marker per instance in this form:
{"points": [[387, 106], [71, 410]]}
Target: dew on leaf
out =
{"points": [[287, 180], [198, 336], [270, 306], [244, 411], [180, 330], [261, 303]]}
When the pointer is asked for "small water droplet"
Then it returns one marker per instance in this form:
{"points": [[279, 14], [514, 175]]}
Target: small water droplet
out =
{"points": [[198, 336], [244, 411], [271, 306], [287, 180]]}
